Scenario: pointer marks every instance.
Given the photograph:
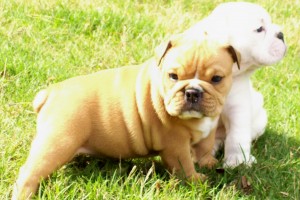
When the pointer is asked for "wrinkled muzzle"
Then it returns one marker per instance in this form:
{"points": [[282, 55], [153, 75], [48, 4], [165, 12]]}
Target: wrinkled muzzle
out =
{"points": [[193, 99]]}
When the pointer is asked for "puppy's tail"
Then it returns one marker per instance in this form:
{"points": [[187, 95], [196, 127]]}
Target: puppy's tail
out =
{"points": [[40, 100]]}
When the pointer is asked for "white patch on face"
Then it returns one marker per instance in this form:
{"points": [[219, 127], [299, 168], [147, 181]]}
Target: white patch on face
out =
{"points": [[196, 75], [195, 83]]}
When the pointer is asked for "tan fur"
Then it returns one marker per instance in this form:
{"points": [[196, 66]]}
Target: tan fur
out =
{"points": [[128, 112]]}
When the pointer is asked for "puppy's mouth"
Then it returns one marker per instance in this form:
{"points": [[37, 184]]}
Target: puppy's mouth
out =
{"points": [[192, 103], [198, 104], [277, 49]]}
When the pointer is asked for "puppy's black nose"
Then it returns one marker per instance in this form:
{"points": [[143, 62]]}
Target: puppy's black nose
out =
{"points": [[193, 95], [280, 36]]}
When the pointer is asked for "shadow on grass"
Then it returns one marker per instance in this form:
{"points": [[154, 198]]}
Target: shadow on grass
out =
{"points": [[275, 176], [86, 165]]}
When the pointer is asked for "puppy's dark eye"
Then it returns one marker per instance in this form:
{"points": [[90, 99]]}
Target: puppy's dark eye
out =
{"points": [[216, 79], [260, 29], [173, 76]]}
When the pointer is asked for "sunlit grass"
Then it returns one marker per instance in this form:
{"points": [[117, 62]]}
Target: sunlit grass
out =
{"points": [[42, 42]]}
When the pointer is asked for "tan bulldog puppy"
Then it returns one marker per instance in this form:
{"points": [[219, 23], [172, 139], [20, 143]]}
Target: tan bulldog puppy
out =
{"points": [[162, 107]]}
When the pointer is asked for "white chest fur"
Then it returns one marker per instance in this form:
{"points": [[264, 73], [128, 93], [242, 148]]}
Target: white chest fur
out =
{"points": [[203, 129]]}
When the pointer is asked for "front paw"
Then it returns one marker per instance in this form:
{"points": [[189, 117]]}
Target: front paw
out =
{"points": [[208, 161], [196, 177], [234, 160]]}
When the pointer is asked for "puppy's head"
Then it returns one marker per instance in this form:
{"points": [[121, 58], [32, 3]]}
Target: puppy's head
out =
{"points": [[196, 76], [249, 29]]}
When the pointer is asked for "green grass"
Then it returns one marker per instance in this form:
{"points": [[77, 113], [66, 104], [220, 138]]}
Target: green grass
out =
{"points": [[42, 42]]}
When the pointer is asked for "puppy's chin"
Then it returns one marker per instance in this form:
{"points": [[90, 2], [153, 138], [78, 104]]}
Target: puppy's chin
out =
{"points": [[184, 114], [191, 114]]}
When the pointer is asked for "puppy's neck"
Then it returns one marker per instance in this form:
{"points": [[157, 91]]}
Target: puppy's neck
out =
{"points": [[245, 69]]}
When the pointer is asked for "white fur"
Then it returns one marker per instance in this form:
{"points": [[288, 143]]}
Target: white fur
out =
{"points": [[244, 117], [204, 129], [207, 125], [194, 83]]}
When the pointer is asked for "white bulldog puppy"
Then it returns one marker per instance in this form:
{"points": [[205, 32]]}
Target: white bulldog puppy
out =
{"points": [[249, 29]]}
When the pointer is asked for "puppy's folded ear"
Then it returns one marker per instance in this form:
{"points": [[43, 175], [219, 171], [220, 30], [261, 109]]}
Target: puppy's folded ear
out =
{"points": [[161, 51], [236, 56], [164, 47]]}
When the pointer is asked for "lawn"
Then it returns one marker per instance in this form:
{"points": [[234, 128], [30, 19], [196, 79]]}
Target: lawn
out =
{"points": [[43, 42]]}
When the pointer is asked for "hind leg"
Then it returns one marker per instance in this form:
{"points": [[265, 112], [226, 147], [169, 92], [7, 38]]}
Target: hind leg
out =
{"points": [[51, 148]]}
